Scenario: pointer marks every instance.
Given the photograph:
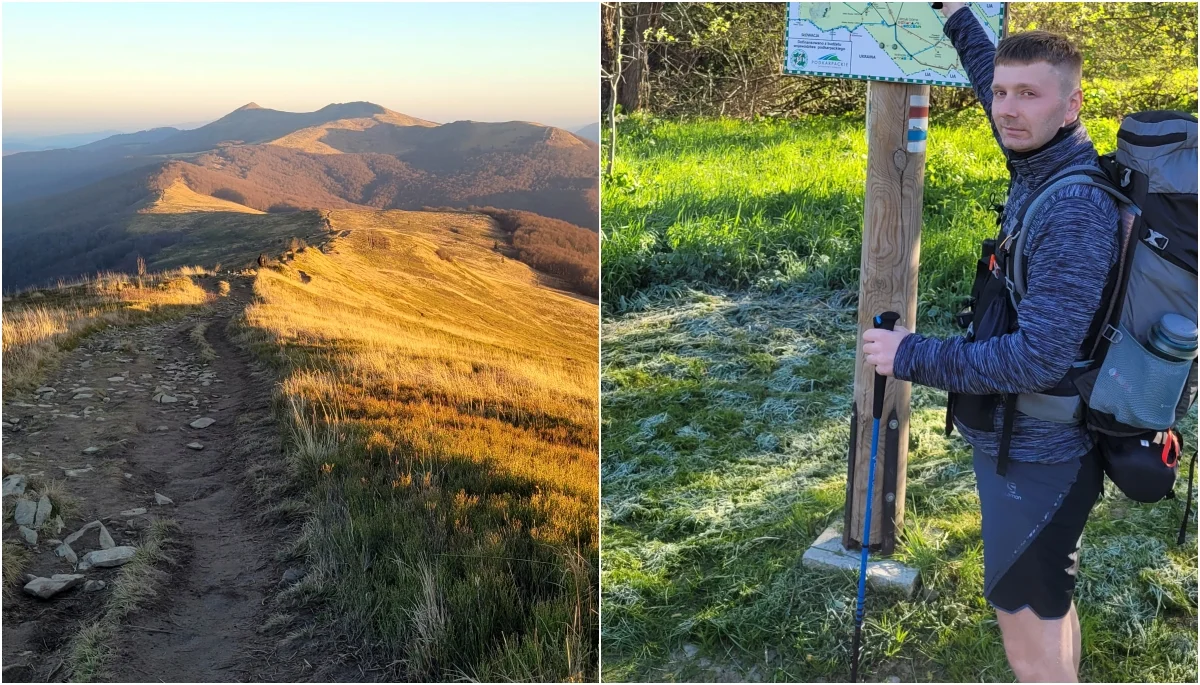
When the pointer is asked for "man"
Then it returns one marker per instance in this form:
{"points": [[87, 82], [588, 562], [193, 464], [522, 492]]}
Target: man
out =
{"points": [[1035, 502]]}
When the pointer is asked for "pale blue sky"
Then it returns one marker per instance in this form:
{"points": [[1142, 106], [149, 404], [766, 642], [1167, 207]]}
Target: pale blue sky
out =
{"points": [[87, 67]]}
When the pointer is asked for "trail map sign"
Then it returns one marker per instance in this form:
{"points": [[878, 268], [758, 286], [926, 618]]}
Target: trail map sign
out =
{"points": [[901, 50], [901, 42]]}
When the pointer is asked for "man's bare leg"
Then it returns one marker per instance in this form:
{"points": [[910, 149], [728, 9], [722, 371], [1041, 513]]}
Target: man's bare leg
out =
{"points": [[1076, 638], [1041, 651]]}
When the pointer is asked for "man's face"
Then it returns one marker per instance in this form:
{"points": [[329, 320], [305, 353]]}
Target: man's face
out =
{"points": [[1030, 102]]}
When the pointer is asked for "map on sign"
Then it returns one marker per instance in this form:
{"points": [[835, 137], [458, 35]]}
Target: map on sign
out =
{"points": [[879, 41]]}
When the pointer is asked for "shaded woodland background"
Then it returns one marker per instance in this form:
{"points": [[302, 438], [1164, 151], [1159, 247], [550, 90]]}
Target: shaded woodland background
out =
{"points": [[724, 59]]}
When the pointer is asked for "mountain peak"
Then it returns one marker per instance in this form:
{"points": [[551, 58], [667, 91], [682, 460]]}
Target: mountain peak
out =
{"points": [[248, 105], [353, 110]]}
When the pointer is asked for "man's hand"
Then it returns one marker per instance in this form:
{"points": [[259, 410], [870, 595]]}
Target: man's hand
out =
{"points": [[880, 345], [949, 8]]}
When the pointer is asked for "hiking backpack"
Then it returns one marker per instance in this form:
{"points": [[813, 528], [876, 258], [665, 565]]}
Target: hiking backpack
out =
{"points": [[1139, 379]]}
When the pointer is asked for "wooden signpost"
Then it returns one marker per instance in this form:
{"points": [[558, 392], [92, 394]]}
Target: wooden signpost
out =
{"points": [[835, 40], [897, 121]]}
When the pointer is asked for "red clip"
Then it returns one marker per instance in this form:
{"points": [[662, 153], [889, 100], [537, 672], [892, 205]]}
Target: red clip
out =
{"points": [[1170, 441], [992, 264]]}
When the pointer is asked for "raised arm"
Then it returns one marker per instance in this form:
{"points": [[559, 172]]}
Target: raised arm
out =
{"points": [[975, 51]]}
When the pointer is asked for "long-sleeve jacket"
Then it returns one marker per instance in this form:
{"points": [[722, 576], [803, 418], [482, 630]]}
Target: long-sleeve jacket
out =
{"points": [[1070, 248]]}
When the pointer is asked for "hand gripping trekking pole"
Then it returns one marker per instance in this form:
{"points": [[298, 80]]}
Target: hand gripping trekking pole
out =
{"points": [[886, 320]]}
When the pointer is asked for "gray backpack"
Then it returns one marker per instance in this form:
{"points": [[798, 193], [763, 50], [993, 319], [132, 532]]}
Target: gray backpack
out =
{"points": [[1140, 378]]}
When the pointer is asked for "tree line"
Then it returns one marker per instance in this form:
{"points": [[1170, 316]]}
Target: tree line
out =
{"points": [[553, 247], [724, 59]]}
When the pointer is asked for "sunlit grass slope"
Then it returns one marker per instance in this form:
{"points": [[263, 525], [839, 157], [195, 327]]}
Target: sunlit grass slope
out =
{"points": [[444, 421]]}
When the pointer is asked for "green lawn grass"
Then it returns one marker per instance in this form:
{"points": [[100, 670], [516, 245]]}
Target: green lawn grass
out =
{"points": [[727, 202], [726, 422]]}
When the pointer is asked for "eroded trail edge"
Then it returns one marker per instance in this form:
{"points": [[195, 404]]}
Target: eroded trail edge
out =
{"points": [[159, 421]]}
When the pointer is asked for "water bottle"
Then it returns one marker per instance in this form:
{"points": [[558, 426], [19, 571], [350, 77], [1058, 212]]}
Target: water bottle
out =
{"points": [[1173, 337]]}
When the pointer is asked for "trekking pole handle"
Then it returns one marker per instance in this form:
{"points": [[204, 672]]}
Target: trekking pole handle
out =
{"points": [[886, 320]]}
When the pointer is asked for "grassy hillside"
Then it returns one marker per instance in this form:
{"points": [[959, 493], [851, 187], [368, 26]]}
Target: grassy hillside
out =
{"points": [[149, 213], [444, 444], [343, 156], [726, 423]]}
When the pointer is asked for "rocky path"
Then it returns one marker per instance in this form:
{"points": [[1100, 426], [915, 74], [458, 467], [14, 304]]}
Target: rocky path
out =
{"points": [[142, 423]]}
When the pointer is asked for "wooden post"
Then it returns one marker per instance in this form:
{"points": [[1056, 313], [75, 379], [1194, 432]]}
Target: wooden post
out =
{"points": [[891, 250]]}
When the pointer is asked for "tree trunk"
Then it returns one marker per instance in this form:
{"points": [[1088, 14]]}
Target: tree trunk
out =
{"points": [[633, 71]]}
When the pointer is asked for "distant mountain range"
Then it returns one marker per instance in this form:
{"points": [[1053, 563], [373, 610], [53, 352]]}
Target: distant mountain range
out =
{"points": [[591, 132], [69, 211]]}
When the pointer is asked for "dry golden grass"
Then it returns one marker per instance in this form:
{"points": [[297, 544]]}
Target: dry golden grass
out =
{"points": [[15, 558], [178, 198], [207, 353], [444, 413], [40, 325]]}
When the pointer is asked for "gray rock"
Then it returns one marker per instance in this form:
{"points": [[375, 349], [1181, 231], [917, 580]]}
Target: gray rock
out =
{"points": [[107, 558], [892, 678], [202, 423], [64, 551], [164, 398], [84, 389], [827, 553], [14, 485], [84, 396], [91, 450], [45, 588], [195, 445], [691, 650], [162, 428], [293, 575], [26, 512], [45, 390], [163, 499], [75, 473], [80, 533], [43, 511], [116, 379], [106, 541], [94, 586], [29, 534], [133, 512]]}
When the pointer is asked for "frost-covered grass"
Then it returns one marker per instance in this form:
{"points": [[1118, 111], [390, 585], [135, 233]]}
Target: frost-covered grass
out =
{"points": [[725, 428]]}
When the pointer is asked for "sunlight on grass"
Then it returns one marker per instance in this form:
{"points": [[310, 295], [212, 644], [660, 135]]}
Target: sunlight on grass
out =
{"points": [[772, 202], [444, 419], [39, 325]]}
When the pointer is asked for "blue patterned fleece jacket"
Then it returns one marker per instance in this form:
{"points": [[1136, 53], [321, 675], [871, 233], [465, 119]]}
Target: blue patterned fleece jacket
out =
{"points": [[1069, 249]]}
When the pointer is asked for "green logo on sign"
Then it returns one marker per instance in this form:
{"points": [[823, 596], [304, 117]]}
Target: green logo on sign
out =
{"points": [[799, 59], [829, 58]]}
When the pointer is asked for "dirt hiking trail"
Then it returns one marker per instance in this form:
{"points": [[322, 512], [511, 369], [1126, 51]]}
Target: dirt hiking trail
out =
{"points": [[115, 434]]}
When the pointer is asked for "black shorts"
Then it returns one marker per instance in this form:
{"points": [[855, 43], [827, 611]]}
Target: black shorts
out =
{"points": [[1033, 529]]}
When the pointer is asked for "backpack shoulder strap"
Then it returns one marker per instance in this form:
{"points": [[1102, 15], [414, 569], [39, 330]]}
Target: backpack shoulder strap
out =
{"points": [[1072, 175]]}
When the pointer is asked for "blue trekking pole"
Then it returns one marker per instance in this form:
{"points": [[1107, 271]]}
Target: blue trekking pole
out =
{"points": [[886, 320]]}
